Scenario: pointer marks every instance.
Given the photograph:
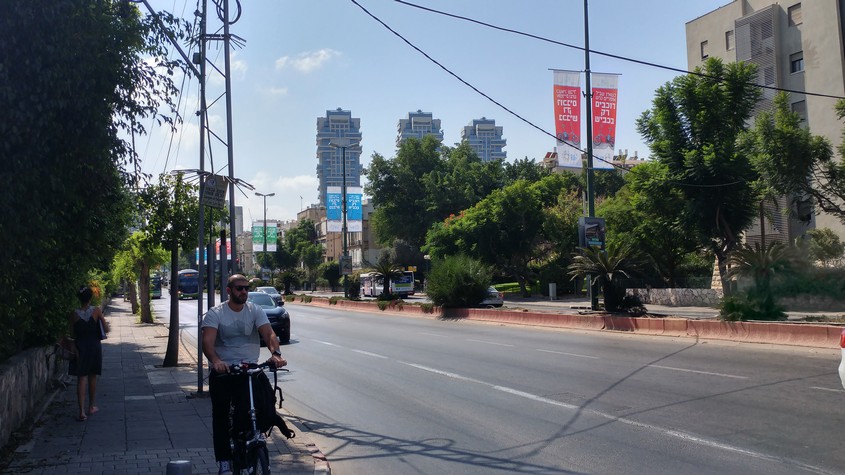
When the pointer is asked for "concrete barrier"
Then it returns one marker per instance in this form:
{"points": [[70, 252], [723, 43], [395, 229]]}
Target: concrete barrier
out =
{"points": [[795, 334]]}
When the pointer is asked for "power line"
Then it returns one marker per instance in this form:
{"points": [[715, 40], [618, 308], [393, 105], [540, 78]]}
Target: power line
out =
{"points": [[601, 53]]}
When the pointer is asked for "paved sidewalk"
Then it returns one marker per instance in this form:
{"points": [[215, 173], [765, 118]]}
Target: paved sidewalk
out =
{"points": [[148, 416]]}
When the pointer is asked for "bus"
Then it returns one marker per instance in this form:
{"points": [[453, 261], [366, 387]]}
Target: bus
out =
{"points": [[188, 282], [155, 286], [372, 284]]}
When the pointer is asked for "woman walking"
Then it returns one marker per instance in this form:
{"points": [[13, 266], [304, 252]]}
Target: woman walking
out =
{"points": [[87, 333]]}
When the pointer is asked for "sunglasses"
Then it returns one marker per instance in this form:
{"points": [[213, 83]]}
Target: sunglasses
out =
{"points": [[240, 288]]}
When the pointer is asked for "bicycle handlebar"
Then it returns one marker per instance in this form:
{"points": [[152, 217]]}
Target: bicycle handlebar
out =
{"points": [[253, 368]]}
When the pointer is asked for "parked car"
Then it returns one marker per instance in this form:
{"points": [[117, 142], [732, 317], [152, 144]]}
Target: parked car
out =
{"points": [[271, 291], [277, 314], [494, 298]]}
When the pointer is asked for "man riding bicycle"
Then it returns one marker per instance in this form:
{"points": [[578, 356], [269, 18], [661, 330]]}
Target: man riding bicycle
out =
{"points": [[229, 336]]}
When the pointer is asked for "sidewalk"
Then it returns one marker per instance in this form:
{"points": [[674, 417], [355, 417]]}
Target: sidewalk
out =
{"points": [[148, 416]]}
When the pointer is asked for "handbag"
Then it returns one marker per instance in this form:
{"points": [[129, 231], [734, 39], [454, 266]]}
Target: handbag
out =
{"points": [[66, 348]]}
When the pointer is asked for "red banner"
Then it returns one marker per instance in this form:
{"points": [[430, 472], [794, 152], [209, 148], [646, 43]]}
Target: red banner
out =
{"points": [[605, 94], [567, 97]]}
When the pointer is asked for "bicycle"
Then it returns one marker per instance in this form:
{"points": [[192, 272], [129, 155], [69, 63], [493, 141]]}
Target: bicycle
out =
{"points": [[249, 446]]}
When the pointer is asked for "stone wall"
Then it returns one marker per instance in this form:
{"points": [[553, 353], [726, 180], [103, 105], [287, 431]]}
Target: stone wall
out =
{"points": [[679, 297], [26, 378]]}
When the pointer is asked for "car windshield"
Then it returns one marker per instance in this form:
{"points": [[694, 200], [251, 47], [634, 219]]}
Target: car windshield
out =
{"points": [[268, 290], [261, 299]]}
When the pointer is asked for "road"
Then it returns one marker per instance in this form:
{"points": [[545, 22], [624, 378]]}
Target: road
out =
{"points": [[386, 395]]}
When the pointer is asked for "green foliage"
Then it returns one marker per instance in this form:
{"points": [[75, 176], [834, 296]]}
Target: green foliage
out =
{"points": [[458, 281], [427, 307], [387, 269], [512, 229], [825, 246], [382, 304], [812, 281], [607, 267], [693, 130], [333, 300], [330, 271], [762, 264], [71, 79], [645, 215], [407, 190], [744, 307]]}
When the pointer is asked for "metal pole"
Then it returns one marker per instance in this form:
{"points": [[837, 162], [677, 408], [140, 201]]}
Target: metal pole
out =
{"points": [[591, 207], [201, 237], [265, 231], [343, 201], [227, 39]]}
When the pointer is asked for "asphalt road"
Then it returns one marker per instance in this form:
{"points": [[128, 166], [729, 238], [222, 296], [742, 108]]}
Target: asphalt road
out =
{"points": [[403, 395]]}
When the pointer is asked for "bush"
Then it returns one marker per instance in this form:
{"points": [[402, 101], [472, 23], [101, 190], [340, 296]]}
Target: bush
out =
{"points": [[633, 304], [744, 307], [333, 300], [382, 304], [427, 307], [458, 281]]}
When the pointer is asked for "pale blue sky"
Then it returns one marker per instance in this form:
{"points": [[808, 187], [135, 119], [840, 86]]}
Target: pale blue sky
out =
{"points": [[304, 57]]}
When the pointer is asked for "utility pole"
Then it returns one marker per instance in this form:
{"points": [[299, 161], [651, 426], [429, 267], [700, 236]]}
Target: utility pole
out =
{"points": [[591, 207], [345, 258], [265, 224]]}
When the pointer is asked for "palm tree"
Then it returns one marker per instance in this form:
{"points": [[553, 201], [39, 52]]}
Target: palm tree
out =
{"points": [[762, 263], [386, 269], [605, 266]]}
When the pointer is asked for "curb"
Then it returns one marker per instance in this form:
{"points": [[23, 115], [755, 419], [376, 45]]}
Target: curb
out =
{"points": [[792, 334]]}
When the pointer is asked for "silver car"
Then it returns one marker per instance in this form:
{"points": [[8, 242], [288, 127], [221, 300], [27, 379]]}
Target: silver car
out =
{"points": [[272, 292], [494, 298]]}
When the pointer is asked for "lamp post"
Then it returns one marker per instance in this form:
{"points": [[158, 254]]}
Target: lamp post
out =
{"points": [[345, 257], [263, 195]]}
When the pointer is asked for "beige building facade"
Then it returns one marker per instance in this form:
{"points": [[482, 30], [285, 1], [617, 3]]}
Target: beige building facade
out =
{"points": [[796, 45]]}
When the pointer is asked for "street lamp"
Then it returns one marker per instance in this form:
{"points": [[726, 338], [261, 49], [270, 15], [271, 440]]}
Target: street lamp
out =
{"points": [[345, 257], [265, 224]]}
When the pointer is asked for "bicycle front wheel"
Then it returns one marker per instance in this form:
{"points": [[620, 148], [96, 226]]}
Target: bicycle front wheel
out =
{"points": [[257, 462]]}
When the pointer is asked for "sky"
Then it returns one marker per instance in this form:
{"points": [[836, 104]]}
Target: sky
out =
{"points": [[301, 58]]}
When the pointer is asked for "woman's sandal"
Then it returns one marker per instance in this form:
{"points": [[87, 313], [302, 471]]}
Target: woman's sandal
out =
{"points": [[82, 418]]}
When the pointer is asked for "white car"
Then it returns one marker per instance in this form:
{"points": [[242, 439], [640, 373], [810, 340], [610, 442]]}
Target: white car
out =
{"points": [[494, 298]]}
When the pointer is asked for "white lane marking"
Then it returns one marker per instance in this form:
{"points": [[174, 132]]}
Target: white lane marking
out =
{"points": [[328, 343], [568, 354], [369, 354], [444, 373], [489, 342], [698, 372], [668, 432], [828, 389], [534, 397]]}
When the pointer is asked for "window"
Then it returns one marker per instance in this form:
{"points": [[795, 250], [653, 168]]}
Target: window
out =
{"points": [[796, 62], [800, 108], [729, 40], [704, 53], [794, 14]]}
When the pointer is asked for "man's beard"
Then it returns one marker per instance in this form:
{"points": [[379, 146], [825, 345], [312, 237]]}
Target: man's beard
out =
{"points": [[239, 298]]}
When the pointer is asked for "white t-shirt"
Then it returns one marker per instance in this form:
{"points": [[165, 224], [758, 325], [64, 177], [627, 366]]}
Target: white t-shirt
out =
{"points": [[237, 332]]}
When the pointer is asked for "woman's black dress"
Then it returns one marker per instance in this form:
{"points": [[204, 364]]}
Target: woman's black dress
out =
{"points": [[86, 333]]}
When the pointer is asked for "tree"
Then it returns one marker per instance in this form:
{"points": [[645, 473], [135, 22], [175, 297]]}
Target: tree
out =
{"points": [[793, 162], [134, 261], [331, 272], [408, 190], [170, 211], [643, 216], [387, 270], [607, 267], [525, 169], [504, 230], [693, 130], [64, 162], [762, 263], [825, 246]]}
